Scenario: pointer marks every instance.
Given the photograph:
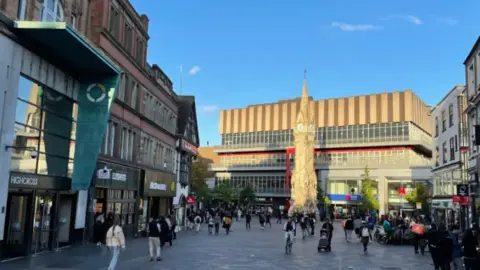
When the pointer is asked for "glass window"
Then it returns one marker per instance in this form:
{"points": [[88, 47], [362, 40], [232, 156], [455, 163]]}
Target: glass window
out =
{"points": [[52, 11], [52, 165]]}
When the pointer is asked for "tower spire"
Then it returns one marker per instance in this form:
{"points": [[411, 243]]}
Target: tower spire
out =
{"points": [[304, 100]]}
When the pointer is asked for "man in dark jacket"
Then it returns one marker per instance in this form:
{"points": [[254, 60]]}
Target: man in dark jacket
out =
{"points": [[328, 226], [154, 230], [433, 245], [469, 245]]}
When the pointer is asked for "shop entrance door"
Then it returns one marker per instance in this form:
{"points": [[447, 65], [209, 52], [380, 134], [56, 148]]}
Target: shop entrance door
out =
{"points": [[18, 220], [43, 227]]}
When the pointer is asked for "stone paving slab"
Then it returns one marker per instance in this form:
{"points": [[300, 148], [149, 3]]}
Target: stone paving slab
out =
{"points": [[255, 249]]}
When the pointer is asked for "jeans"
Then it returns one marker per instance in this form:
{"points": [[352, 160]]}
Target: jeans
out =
{"points": [[113, 262], [457, 263], [217, 228], [348, 235], [154, 247], [210, 228], [247, 225], [174, 234]]}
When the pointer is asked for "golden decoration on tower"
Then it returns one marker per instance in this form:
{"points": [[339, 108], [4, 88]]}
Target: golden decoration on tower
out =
{"points": [[303, 195]]}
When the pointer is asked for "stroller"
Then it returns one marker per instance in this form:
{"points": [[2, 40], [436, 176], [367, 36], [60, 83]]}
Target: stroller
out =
{"points": [[324, 242]]}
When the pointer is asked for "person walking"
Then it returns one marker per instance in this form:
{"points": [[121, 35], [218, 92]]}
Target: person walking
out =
{"points": [[364, 235], [348, 229], [248, 220], [173, 221], [279, 217], [210, 224], [115, 240], [470, 244], [197, 222], [216, 221], [154, 248]]}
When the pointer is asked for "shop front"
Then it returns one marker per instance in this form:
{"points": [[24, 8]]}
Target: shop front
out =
{"points": [[116, 191], [157, 192], [446, 210], [345, 204], [38, 214]]}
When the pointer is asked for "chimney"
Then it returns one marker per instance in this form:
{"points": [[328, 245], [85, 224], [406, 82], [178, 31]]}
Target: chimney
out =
{"points": [[144, 20]]}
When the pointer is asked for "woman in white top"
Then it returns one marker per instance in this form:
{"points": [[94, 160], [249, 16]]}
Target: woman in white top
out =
{"points": [[115, 240]]}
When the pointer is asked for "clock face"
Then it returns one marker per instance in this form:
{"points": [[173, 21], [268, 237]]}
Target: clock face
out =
{"points": [[300, 127]]}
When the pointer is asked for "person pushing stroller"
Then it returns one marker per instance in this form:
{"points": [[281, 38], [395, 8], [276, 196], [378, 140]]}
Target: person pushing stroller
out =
{"points": [[327, 228]]}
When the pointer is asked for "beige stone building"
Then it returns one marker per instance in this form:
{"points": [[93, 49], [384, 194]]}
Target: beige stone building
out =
{"points": [[388, 132]]}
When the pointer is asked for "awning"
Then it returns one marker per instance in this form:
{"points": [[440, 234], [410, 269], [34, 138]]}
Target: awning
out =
{"points": [[62, 46]]}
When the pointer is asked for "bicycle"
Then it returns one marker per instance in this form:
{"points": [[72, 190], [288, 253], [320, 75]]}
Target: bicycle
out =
{"points": [[288, 244]]}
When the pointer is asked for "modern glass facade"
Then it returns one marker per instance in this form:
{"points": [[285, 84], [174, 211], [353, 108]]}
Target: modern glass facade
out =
{"points": [[331, 136], [387, 157], [262, 184], [45, 120]]}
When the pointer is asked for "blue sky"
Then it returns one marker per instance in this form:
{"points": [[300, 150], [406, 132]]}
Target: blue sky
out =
{"points": [[236, 53]]}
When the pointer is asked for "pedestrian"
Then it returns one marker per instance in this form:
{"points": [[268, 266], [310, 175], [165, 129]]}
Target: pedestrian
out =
{"points": [[312, 220], [327, 225], [173, 221], [154, 248], [216, 221], [261, 218], [210, 224], [470, 244], [357, 225], [169, 232], [457, 263], [197, 222], [267, 221], [115, 241], [227, 223], [364, 236], [348, 229], [248, 220], [279, 217], [98, 231]]}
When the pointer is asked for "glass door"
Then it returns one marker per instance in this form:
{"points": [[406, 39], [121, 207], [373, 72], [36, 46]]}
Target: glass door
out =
{"points": [[18, 218], [42, 223]]}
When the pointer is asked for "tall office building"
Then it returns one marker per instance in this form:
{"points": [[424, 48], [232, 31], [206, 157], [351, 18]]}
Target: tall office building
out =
{"points": [[389, 133]]}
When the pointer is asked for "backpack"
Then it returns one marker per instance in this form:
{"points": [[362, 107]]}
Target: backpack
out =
{"points": [[289, 226], [365, 232]]}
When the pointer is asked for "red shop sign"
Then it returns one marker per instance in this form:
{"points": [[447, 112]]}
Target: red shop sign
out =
{"points": [[191, 200], [461, 200]]}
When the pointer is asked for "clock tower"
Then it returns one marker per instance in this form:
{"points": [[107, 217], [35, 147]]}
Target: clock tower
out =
{"points": [[304, 179]]}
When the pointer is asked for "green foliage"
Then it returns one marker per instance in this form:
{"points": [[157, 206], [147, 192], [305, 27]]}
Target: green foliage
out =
{"points": [[247, 196], [322, 197], [225, 192], [369, 200], [200, 171], [419, 194]]}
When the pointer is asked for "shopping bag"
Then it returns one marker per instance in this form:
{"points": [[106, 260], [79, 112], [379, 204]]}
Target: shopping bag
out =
{"points": [[418, 229]]}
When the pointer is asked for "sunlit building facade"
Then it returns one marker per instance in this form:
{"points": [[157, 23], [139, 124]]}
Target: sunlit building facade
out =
{"points": [[389, 133]]}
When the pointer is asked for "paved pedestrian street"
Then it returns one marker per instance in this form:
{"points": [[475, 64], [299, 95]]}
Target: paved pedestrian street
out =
{"points": [[255, 249]]}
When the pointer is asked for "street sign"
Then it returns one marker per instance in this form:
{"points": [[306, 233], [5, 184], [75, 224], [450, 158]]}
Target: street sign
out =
{"points": [[461, 200], [191, 200], [462, 190]]}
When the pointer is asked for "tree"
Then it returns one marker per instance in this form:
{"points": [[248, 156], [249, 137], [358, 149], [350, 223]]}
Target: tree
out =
{"points": [[419, 194], [368, 187], [322, 197], [225, 193], [247, 196], [200, 172]]}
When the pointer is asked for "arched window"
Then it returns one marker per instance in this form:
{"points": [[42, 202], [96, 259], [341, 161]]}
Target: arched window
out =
{"points": [[52, 11]]}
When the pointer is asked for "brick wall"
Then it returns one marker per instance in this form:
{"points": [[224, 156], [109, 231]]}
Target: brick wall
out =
{"points": [[98, 20], [33, 11]]}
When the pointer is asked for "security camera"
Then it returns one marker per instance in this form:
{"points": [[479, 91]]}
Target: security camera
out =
{"points": [[33, 154], [105, 171]]}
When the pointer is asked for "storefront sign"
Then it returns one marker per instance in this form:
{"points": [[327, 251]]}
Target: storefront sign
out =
{"points": [[191, 200], [189, 147], [442, 203], [344, 197], [23, 180], [461, 200], [119, 177], [156, 186], [462, 190], [159, 184], [115, 176]]}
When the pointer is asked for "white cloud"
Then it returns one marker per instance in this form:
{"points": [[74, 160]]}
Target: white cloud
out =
{"points": [[194, 70], [209, 108], [355, 27], [409, 18]]}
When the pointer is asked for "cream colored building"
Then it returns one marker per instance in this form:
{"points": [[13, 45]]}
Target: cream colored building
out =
{"points": [[388, 132]]}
